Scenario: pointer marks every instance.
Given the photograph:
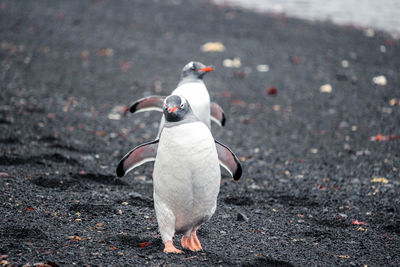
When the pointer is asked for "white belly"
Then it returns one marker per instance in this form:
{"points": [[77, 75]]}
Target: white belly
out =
{"points": [[186, 175]]}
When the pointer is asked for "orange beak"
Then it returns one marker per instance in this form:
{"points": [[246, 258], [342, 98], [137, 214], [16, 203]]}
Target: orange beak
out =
{"points": [[172, 109], [207, 69]]}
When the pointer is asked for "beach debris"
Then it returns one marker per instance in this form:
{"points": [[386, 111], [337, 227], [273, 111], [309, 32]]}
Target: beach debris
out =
{"points": [[379, 80], [4, 174], [326, 88], [262, 68], [30, 209], [242, 217], [382, 48], [76, 238], [232, 63], [113, 247], [345, 63], [344, 256], [394, 102], [113, 116], [144, 244], [213, 47], [276, 107], [116, 112], [356, 222], [271, 91], [362, 229], [105, 52], [314, 150], [382, 180], [380, 137]]}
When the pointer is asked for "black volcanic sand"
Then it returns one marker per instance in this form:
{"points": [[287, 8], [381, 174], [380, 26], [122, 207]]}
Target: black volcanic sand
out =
{"points": [[68, 67]]}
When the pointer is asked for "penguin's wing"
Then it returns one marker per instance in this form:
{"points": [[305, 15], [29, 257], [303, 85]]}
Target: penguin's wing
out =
{"points": [[217, 114], [154, 102], [228, 160], [137, 156]]}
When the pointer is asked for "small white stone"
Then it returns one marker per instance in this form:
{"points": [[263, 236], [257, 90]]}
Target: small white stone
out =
{"points": [[114, 116], [232, 63], [345, 63], [326, 88], [382, 48], [380, 80], [213, 47], [263, 68]]}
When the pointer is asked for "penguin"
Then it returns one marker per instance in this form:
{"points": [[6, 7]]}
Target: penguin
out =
{"points": [[192, 87], [186, 173]]}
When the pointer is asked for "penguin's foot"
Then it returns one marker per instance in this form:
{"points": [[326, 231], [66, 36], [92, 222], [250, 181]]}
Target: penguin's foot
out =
{"points": [[191, 242], [170, 248], [185, 241]]}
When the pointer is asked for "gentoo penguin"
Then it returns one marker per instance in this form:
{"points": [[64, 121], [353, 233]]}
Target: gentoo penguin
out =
{"points": [[192, 87], [186, 173]]}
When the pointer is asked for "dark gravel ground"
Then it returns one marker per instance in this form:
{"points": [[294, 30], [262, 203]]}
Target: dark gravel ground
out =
{"points": [[309, 164]]}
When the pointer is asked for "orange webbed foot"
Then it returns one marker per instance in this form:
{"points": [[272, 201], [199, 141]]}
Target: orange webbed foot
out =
{"points": [[185, 242], [170, 248], [191, 242]]}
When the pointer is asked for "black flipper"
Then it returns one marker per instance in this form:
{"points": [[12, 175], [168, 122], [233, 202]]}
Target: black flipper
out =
{"points": [[137, 156], [154, 102], [229, 161], [217, 114]]}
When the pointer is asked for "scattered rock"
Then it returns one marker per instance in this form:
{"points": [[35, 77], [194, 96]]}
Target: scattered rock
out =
{"points": [[232, 63], [379, 80], [262, 68], [242, 217], [213, 47], [326, 88]]}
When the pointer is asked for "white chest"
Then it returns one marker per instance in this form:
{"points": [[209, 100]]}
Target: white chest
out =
{"points": [[199, 99], [186, 171]]}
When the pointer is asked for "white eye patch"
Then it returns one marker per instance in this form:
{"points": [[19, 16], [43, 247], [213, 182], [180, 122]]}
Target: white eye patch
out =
{"points": [[183, 100]]}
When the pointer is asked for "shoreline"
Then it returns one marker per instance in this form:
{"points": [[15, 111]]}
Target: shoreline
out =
{"points": [[331, 17]]}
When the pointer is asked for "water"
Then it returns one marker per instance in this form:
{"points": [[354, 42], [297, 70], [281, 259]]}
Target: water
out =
{"points": [[376, 14]]}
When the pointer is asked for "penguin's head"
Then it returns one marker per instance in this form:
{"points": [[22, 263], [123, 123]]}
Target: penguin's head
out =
{"points": [[175, 108], [196, 70]]}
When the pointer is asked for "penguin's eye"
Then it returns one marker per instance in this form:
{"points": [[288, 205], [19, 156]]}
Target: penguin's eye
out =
{"points": [[182, 105]]}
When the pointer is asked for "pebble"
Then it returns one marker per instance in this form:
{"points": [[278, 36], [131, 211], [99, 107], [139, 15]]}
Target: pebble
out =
{"points": [[232, 63], [262, 68], [113, 116], [379, 80], [213, 47], [242, 217], [326, 88]]}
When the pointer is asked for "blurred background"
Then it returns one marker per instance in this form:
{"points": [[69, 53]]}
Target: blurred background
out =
{"points": [[382, 15]]}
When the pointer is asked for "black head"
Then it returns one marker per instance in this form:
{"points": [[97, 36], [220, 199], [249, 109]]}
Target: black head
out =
{"points": [[196, 70], [176, 108]]}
